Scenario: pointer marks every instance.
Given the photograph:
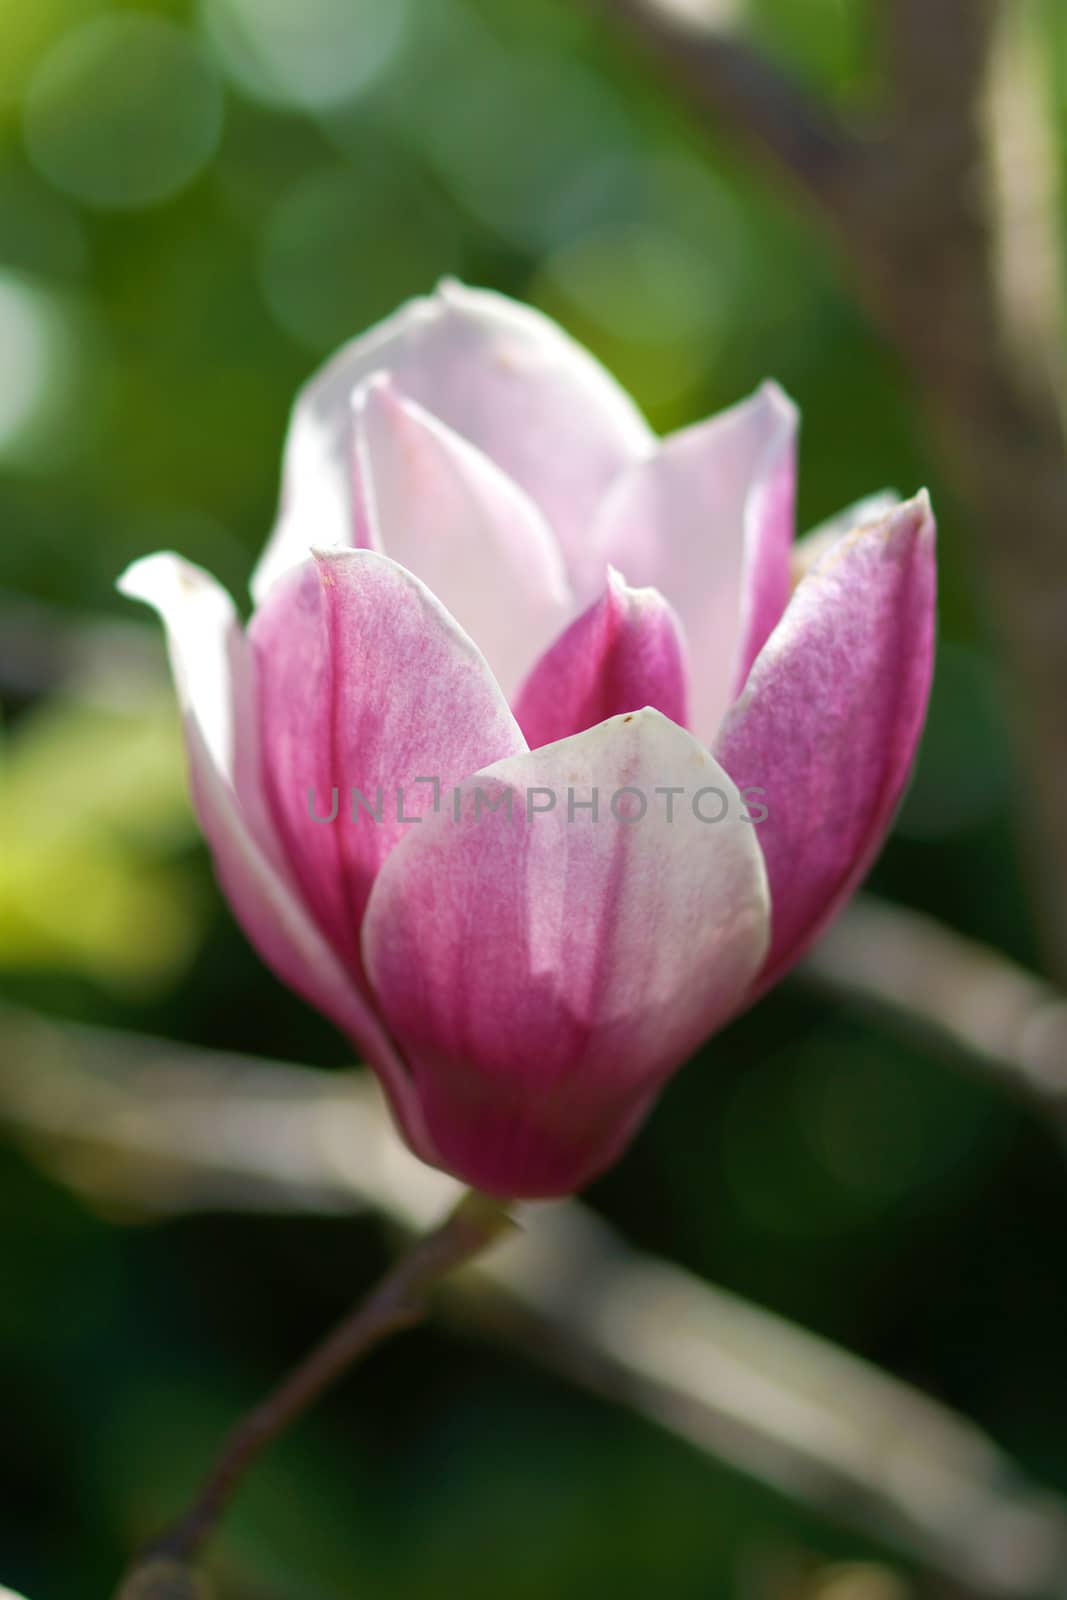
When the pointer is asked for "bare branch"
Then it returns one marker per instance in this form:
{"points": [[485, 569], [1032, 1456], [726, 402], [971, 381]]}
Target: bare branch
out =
{"points": [[397, 1302], [132, 1122], [1028, 202], [43, 648], [744, 93], [969, 996]]}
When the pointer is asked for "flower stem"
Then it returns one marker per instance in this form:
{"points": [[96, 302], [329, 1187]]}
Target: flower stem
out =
{"points": [[397, 1302]]}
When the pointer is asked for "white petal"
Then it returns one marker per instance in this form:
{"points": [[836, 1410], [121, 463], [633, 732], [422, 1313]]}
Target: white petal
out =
{"points": [[440, 508], [212, 673], [500, 374], [702, 521]]}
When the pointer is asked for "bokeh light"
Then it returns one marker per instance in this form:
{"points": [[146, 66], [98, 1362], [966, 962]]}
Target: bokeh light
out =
{"points": [[344, 246], [40, 230], [519, 184], [27, 32], [645, 299], [313, 55], [39, 361], [124, 111]]}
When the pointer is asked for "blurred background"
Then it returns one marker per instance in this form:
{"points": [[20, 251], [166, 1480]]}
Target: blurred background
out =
{"points": [[197, 204]]}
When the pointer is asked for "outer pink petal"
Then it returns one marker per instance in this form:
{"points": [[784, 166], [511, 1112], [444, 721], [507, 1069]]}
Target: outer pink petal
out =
{"points": [[818, 540], [770, 523], [442, 509], [625, 652], [366, 682], [213, 676], [500, 374], [708, 520], [544, 974], [831, 716]]}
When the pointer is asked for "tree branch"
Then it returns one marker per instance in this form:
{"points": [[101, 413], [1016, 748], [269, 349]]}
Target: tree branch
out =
{"points": [[742, 92], [397, 1302], [966, 995], [912, 213], [133, 1122]]}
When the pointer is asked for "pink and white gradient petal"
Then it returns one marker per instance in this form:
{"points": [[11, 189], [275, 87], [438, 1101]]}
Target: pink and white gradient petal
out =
{"points": [[439, 507], [504, 377], [365, 681], [831, 716], [213, 674], [544, 972], [708, 520], [624, 653]]}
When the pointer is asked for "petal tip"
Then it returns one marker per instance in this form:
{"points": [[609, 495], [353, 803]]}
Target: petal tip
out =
{"points": [[624, 592], [923, 503], [771, 393], [379, 385], [450, 290], [329, 557], [162, 577], [136, 580], [902, 529], [644, 720], [912, 520]]}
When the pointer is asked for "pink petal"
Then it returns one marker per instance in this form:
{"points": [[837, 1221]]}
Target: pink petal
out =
{"points": [[366, 682], [830, 718], [818, 540], [442, 509], [708, 521], [770, 520], [624, 653], [213, 675], [500, 374], [544, 974]]}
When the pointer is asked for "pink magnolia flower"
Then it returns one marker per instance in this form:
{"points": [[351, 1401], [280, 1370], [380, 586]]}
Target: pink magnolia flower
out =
{"points": [[517, 590]]}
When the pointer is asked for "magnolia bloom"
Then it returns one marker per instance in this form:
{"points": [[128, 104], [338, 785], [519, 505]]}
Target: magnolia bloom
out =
{"points": [[488, 574]]}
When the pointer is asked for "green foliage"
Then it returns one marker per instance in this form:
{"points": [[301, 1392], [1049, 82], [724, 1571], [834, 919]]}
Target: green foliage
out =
{"points": [[92, 805]]}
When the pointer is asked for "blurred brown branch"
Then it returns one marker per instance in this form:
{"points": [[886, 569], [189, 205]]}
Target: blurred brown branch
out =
{"points": [[43, 648], [138, 1126], [910, 193], [745, 93], [964, 994], [397, 1302]]}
